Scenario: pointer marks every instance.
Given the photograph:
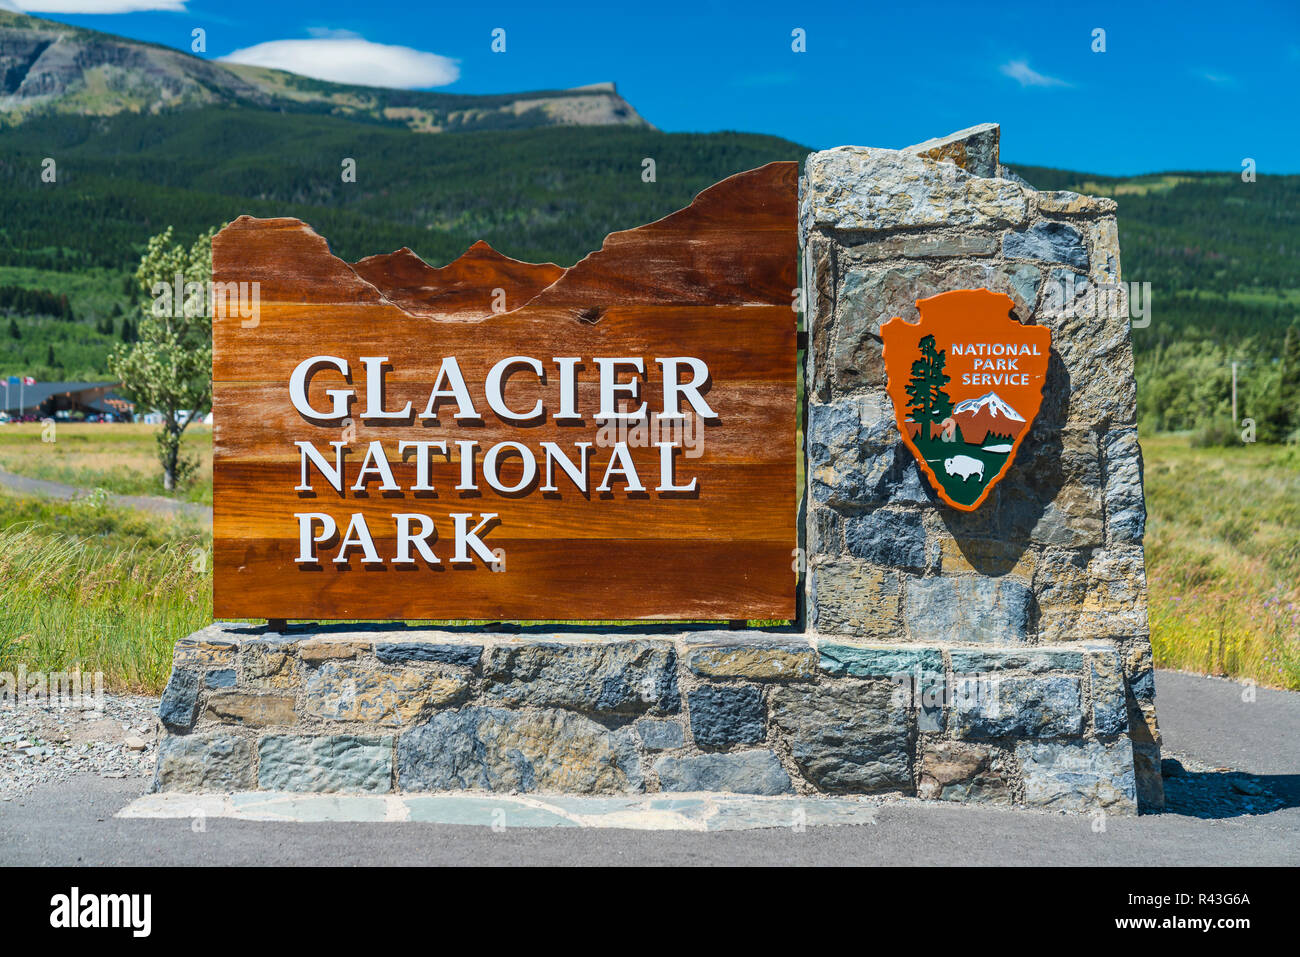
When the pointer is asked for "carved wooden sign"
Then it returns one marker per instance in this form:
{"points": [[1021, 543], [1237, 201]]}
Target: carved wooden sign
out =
{"points": [[967, 383], [504, 440]]}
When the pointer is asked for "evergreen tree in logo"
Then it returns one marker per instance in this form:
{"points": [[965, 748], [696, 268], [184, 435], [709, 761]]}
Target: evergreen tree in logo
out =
{"points": [[928, 403]]}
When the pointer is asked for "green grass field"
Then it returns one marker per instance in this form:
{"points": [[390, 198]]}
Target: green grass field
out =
{"points": [[88, 585], [119, 458]]}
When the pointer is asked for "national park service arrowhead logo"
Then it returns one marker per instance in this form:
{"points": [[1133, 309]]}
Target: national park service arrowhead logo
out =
{"points": [[967, 382]]}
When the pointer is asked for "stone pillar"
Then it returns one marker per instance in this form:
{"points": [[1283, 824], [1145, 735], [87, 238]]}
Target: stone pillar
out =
{"points": [[1044, 586]]}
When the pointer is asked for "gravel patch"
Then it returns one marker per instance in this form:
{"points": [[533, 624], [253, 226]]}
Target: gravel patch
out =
{"points": [[42, 745]]}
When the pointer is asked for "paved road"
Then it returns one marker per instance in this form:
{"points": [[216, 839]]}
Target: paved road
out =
{"points": [[1205, 722], [146, 503], [1211, 720]]}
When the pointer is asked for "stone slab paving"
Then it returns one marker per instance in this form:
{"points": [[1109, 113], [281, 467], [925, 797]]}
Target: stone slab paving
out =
{"points": [[75, 823], [682, 812]]}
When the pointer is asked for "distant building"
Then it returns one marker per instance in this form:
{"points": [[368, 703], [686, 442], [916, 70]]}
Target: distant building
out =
{"points": [[49, 399]]}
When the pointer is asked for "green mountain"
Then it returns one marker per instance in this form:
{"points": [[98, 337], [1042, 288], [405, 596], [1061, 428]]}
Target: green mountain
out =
{"points": [[48, 67]]}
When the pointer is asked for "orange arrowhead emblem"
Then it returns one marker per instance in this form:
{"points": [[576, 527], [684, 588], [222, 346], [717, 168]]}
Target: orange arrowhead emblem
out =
{"points": [[966, 382]]}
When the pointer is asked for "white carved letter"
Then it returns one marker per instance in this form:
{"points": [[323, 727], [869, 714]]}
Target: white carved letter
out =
{"points": [[375, 391], [497, 401], [469, 537], [405, 539], [422, 449], [358, 534], [375, 454], [673, 389], [449, 372], [491, 469], [620, 463], [332, 474], [610, 387], [306, 551], [465, 448], [301, 378], [666, 452], [578, 473], [568, 387]]}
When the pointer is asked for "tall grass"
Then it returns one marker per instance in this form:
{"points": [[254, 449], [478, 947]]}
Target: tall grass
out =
{"points": [[1223, 559], [1235, 633], [69, 603], [84, 585]]}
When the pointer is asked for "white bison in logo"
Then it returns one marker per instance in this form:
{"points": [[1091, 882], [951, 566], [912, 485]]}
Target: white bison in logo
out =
{"points": [[965, 466]]}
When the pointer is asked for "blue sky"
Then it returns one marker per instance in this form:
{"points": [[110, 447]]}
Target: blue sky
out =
{"points": [[1179, 86]]}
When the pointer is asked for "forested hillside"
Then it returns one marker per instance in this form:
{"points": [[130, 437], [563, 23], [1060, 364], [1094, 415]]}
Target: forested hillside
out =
{"points": [[1223, 259], [1221, 254], [549, 194], [546, 194]]}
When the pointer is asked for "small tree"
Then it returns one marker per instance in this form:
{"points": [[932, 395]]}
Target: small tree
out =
{"points": [[168, 366], [928, 403]]}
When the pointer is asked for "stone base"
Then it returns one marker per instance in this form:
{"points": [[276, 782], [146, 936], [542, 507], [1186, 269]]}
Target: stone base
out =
{"points": [[757, 713]]}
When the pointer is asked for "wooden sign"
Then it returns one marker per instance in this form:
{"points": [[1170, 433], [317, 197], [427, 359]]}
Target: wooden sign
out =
{"points": [[966, 382], [504, 440]]}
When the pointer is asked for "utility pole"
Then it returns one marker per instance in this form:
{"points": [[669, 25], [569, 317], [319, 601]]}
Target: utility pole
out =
{"points": [[1234, 395]]}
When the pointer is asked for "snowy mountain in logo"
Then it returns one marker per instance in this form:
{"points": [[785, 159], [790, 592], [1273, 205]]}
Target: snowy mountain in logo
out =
{"points": [[991, 401], [986, 417]]}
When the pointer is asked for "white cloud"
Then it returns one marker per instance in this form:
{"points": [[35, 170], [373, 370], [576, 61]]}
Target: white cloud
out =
{"points": [[352, 60], [329, 33], [98, 6], [1025, 75]]}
